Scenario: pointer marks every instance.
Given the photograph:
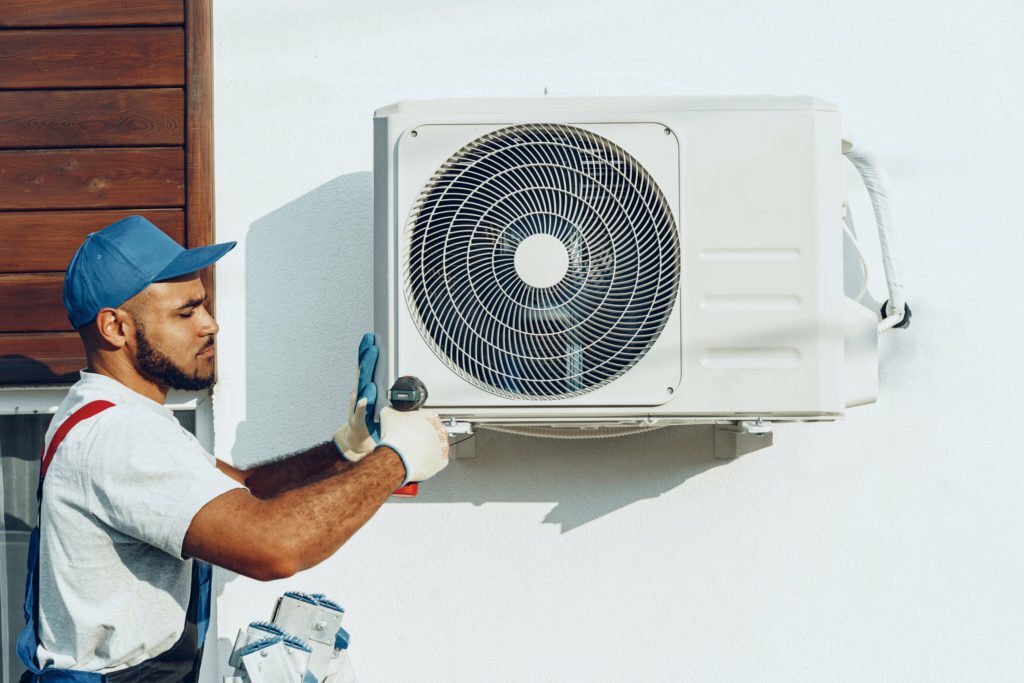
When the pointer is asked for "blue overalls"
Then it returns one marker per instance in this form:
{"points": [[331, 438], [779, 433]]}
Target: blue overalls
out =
{"points": [[179, 663]]}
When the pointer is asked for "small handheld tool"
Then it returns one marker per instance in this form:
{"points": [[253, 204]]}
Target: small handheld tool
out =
{"points": [[407, 393]]}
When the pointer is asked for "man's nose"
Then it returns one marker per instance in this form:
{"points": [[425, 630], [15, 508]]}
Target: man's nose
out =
{"points": [[210, 325]]}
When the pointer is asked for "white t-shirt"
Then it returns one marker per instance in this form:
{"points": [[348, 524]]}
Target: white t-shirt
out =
{"points": [[118, 497]]}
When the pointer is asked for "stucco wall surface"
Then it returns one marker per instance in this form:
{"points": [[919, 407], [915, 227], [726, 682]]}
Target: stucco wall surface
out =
{"points": [[883, 547]]}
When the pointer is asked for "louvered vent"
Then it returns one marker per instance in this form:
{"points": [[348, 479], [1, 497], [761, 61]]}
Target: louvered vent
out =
{"points": [[543, 262]]}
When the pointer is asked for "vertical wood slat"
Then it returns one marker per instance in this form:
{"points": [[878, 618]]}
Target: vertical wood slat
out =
{"points": [[199, 219], [54, 13], [92, 57]]}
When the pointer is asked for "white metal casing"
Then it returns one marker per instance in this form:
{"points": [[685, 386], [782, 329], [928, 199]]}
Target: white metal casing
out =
{"points": [[755, 185]]}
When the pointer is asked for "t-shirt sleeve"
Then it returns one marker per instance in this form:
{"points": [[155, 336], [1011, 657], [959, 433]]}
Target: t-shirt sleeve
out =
{"points": [[148, 477]]}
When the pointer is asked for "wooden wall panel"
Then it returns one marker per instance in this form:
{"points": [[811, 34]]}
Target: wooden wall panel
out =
{"points": [[105, 111], [92, 118], [84, 58], [92, 178], [45, 241], [32, 303], [39, 13], [41, 358]]}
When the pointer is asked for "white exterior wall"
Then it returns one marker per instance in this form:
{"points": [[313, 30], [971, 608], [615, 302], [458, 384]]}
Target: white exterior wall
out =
{"points": [[884, 547]]}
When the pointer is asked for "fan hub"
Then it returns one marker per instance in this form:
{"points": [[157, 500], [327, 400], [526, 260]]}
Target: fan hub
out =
{"points": [[542, 260]]}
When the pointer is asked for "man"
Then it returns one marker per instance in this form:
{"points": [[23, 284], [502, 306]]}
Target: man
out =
{"points": [[130, 500]]}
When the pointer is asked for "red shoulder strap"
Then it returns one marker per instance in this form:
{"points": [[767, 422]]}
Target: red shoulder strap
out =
{"points": [[83, 413]]}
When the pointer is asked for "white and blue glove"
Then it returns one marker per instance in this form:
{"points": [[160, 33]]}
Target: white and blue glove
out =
{"points": [[359, 435], [420, 440], [417, 436]]}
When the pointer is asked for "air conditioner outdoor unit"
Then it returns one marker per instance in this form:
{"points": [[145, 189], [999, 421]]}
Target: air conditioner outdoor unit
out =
{"points": [[617, 262]]}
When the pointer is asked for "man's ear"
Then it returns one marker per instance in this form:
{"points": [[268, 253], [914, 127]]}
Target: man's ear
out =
{"points": [[115, 326]]}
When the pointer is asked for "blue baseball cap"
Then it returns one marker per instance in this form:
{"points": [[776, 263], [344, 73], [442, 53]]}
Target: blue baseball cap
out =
{"points": [[121, 260]]}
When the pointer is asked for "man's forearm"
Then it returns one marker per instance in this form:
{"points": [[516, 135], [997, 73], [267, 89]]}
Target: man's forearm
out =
{"points": [[317, 519], [299, 469], [274, 538]]}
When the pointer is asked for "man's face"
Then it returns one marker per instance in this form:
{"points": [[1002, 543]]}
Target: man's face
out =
{"points": [[174, 334]]}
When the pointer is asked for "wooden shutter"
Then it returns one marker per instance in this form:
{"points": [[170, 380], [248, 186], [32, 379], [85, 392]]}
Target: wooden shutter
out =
{"points": [[105, 112]]}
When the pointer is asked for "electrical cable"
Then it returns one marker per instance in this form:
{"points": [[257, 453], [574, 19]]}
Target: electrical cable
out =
{"points": [[876, 183], [462, 440]]}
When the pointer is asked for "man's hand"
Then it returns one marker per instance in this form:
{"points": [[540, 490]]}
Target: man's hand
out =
{"points": [[419, 439], [359, 435]]}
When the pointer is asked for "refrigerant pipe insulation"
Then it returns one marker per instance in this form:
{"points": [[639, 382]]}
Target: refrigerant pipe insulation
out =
{"points": [[877, 185]]}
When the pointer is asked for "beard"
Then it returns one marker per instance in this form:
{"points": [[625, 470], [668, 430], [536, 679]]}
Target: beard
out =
{"points": [[157, 366]]}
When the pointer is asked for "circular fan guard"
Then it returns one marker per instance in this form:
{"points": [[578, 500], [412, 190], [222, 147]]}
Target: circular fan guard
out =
{"points": [[474, 307]]}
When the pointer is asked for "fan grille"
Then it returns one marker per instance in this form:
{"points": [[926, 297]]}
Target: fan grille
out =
{"points": [[527, 317]]}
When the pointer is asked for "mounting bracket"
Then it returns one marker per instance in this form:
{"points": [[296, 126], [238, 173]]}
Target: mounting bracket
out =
{"points": [[461, 433], [740, 438]]}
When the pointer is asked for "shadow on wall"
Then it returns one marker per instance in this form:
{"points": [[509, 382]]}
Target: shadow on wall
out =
{"points": [[586, 478], [309, 298]]}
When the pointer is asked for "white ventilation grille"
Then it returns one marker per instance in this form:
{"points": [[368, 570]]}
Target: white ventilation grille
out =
{"points": [[543, 262]]}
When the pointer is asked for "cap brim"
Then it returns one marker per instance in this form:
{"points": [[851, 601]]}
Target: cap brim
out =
{"points": [[192, 260]]}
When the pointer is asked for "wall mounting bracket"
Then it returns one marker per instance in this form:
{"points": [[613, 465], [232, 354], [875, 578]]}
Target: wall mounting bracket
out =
{"points": [[740, 438]]}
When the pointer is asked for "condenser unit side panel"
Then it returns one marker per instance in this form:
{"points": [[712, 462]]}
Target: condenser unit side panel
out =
{"points": [[752, 265]]}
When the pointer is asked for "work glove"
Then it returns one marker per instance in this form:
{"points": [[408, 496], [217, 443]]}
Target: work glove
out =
{"points": [[420, 440], [359, 435]]}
